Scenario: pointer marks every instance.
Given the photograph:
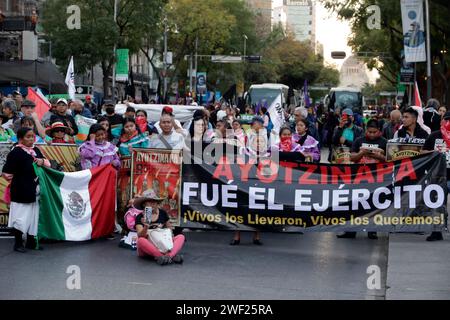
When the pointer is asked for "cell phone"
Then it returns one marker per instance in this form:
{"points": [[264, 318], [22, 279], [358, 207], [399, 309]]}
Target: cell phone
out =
{"points": [[148, 211]]}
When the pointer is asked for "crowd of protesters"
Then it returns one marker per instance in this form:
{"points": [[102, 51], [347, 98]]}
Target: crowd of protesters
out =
{"points": [[305, 132]]}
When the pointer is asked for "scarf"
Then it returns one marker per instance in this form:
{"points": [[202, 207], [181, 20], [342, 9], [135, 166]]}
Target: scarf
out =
{"points": [[141, 122], [286, 144], [124, 138], [29, 150], [445, 130], [302, 139]]}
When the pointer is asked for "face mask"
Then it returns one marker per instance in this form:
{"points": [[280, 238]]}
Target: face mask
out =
{"points": [[446, 125], [286, 144], [141, 123]]}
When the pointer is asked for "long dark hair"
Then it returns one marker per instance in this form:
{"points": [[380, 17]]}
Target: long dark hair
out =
{"points": [[96, 127], [22, 132], [191, 127], [125, 121], [109, 132]]}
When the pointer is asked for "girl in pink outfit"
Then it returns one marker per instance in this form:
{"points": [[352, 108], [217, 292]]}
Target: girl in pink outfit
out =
{"points": [[159, 219]]}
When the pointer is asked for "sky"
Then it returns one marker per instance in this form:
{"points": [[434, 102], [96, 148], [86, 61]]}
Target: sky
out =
{"points": [[332, 33]]}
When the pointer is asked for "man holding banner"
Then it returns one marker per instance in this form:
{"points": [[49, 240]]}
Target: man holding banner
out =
{"points": [[370, 148], [440, 141]]}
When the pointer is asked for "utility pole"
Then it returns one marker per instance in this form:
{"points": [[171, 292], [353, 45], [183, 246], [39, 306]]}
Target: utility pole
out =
{"points": [[190, 73], [429, 84], [114, 55], [165, 60]]}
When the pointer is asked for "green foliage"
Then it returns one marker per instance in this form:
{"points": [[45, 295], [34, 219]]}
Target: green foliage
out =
{"points": [[390, 38], [93, 44]]}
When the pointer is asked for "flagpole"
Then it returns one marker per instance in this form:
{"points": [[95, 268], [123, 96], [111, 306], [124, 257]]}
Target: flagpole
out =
{"points": [[427, 13]]}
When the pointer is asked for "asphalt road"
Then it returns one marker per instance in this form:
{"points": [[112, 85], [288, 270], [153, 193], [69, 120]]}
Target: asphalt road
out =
{"points": [[287, 266]]}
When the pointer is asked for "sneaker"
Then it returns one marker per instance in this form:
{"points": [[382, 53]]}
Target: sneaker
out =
{"points": [[435, 236], [110, 237], [235, 242], [347, 235], [178, 259], [20, 249], [257, 242], [372, 235], [163, 260]]}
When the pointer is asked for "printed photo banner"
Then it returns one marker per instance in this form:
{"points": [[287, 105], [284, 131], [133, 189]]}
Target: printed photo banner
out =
{"points": [[341, 155], [408, 195], [63, 157], [123, 187], [160, 171], [402, 148]]}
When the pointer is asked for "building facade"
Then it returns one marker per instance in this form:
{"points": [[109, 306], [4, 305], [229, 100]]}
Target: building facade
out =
{"points": [[301, 19]]}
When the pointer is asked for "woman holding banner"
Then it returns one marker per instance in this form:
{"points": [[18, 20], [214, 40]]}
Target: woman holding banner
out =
{"points": [[309, 146], [24, 194], [97, 151]]}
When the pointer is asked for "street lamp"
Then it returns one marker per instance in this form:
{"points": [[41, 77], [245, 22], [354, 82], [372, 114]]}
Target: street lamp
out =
{"points": [[165, 59], [114, 55]]}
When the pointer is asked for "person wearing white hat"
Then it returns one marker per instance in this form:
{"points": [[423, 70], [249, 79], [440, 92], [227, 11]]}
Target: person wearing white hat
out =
{"points": [[62, 116]]}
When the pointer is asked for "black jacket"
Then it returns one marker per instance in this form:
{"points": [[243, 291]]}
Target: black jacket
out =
{"points": [[432, 119], [338, 131], [419, 133], [24, 183]]}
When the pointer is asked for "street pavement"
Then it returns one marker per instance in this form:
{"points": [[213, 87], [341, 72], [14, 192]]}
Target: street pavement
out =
{"points": [[287, 266], [418, 269]]}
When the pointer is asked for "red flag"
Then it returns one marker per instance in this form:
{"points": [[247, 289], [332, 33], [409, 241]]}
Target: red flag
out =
{"points": [[416, 100], [41, 105]]}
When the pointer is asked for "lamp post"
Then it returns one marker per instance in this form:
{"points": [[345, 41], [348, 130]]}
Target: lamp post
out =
{"points": [[114, 55], [165, 60]]}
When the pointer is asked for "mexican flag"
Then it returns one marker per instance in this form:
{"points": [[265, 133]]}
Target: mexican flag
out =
{"points": [[76, 206]]}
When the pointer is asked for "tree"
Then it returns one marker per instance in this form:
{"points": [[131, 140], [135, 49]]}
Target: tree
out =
{"points": [[93, 44], [291, 62], [390, 39], [196, 21]]}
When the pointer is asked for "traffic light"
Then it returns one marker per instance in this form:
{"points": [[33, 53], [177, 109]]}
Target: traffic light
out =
{"points": [[338, 54], [253, 59]]}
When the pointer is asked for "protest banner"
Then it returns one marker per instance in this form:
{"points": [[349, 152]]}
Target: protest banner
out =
{"points": [[83, 124], [402, 148], [64, 157], [341, 155], [159, 170], [123, 187], [4, 208], [408, 195]]}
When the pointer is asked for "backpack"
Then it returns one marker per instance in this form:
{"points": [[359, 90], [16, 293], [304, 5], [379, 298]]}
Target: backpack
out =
{"points": [[130, 218]]}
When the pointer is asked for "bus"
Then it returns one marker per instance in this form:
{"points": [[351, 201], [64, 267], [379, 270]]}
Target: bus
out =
{"points": [[266, 93], [344, 97]]}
